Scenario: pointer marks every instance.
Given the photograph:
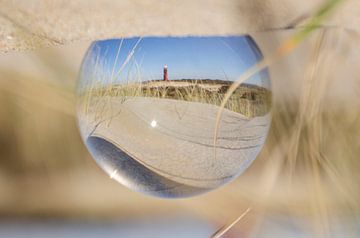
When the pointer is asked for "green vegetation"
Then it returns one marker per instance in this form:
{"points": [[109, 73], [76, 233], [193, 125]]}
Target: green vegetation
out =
{"points": [[249, 100]]}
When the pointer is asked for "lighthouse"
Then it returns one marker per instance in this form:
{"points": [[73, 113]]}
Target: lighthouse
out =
{"points": [[165, 73]]}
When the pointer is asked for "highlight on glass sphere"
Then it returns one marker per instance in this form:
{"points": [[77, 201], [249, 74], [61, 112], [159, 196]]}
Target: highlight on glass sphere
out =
{"points": [[147, 111]]}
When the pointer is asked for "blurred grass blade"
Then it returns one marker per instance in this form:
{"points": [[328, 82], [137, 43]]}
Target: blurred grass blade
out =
{"points": [[285, 48], [219, 233]]}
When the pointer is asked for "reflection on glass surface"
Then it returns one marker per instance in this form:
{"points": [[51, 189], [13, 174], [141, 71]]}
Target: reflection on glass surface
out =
{"points": [[147, 111]]}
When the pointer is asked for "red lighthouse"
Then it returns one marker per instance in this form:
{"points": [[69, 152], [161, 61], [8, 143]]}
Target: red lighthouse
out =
{"points": [[165, 73]]}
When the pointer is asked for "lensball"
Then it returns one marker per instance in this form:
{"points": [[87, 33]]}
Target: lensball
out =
{"points": [[148, 111]]}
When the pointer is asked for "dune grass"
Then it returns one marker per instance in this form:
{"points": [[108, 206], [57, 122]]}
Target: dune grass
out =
{"points": [[312, 140], [96, 84]]}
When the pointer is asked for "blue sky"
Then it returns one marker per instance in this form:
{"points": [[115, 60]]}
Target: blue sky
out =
{"points": [[224, 58]]}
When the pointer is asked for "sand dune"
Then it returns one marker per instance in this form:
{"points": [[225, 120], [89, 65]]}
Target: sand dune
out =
{"points": [[175, 138]]}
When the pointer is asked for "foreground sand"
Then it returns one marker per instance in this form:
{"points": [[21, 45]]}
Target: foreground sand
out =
{"points": [[175, 138]]}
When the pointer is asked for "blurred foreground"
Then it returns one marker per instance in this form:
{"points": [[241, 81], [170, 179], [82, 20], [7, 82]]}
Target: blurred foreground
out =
{"points": [[307, 173]]}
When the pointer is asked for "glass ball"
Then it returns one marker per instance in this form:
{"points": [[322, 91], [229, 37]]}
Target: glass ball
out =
{"points": [[148, 111]]}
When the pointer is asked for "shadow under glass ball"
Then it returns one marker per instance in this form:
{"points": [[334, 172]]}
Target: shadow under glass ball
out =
{"points": [[147, 110]]}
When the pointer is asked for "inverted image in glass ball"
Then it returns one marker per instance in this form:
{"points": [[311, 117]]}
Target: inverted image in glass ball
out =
{"points": [[147, 111]]}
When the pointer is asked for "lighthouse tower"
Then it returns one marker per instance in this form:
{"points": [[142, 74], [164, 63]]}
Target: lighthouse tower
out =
{"points": [[165, 73]]}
